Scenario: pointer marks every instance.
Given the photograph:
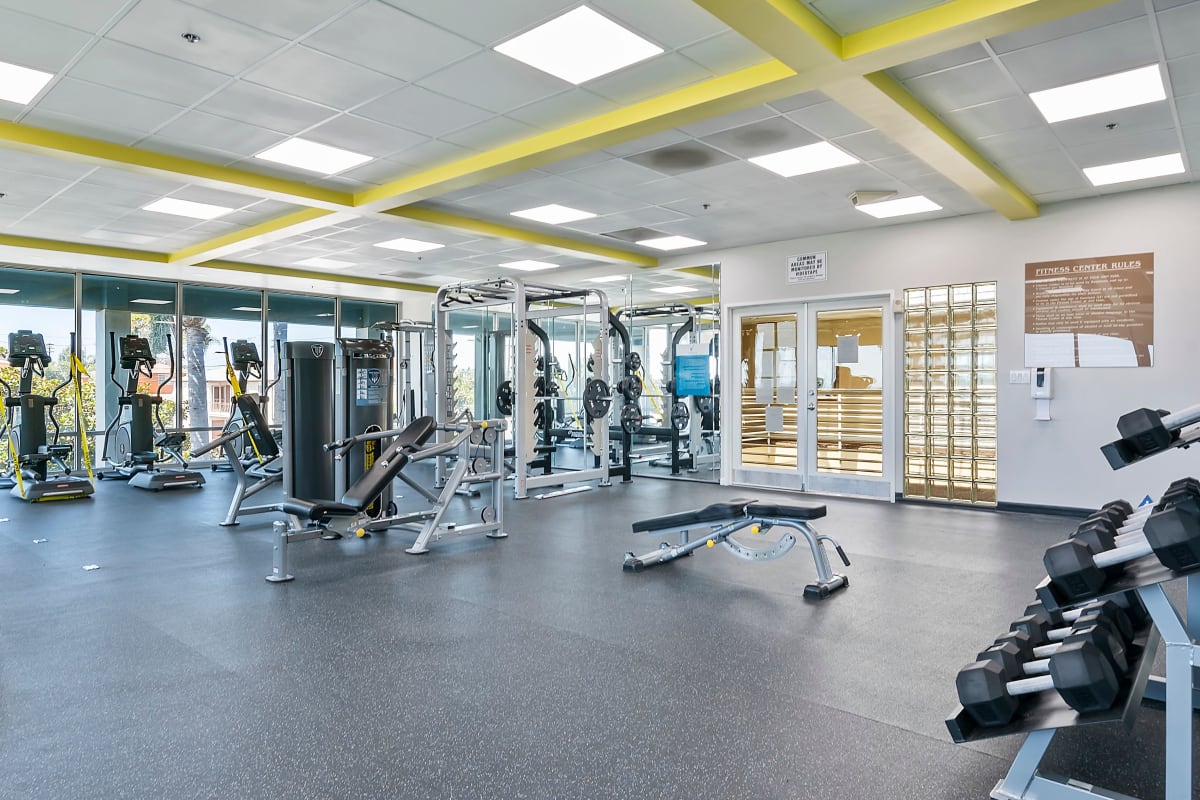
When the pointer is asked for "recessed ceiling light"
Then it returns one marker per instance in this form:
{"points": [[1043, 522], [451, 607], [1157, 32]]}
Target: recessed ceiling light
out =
{"points": [[147, 301], [1137, 170], [806, 159], [917, 204], [21, 84], [9, 291], [186, 208], [553, 214], [671, 242], [673, 289], [409, 245], [1123, 90], [326, 314], [246, 308], [578, 46], [607, 279], [312, 156], [325, 263], [529, 266]]}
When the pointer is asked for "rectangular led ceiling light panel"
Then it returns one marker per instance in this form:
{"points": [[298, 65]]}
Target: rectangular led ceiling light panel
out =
{"points": [[1136, 87], [10, 291], [186, 208], [899, 208], [409, 245], [529, 266], [148, 302], [324, 263], [607, 279], [803, 160], [673, 289], [21, 84], [247, 308], [1137, 170], [671, 243], [578, 46], [553, 214], [312, 156]]}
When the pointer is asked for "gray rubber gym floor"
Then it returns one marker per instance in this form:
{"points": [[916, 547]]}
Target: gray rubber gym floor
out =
{"points": [[531, 667]]}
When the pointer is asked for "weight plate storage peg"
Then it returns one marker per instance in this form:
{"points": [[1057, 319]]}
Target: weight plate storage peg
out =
{"points": [[680, 416], [631, 418], [505, 398], [596, 398], [703, 404]]}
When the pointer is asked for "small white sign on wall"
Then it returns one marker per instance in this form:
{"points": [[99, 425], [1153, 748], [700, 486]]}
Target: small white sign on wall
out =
{"points": [[807, 267]]}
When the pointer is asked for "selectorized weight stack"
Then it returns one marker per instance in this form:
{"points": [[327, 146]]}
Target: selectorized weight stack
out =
{"points": [[363, 399], [308, 471]]}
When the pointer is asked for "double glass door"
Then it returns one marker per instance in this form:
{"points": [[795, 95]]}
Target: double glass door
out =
{"points": [[816, 397]]}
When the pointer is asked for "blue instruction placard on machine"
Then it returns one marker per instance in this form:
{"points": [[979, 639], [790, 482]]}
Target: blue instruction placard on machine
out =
{"points": [[691, 376]]}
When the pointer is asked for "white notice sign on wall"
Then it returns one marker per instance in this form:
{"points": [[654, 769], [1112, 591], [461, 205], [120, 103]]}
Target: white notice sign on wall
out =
{"points": [[807, 267]]}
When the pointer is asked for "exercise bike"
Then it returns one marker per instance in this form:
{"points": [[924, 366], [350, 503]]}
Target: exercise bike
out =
{"points": [[25, 423], [140, 434]]}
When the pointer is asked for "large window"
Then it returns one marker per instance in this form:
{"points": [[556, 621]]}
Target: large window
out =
{"points": [[42, 302], [116, 307], [293, 318], [212, 316], [357, 317]]}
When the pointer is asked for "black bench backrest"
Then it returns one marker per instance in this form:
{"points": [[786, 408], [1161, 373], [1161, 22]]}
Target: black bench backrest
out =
{"points": [[387, 466], [258, 429]]}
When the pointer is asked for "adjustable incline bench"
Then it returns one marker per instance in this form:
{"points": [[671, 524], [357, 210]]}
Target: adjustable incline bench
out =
{"points": [[722, 520]]}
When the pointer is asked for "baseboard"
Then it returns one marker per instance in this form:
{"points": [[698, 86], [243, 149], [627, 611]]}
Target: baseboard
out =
{"points": [[1013, 508]]}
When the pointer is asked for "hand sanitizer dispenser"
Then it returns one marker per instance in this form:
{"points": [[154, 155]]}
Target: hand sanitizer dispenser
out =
{"points": [[1041, 390]]}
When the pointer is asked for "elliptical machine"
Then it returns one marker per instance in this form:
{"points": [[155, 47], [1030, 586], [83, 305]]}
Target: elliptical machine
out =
{"points": [[242, 365], [138, 437], [31, 456]]}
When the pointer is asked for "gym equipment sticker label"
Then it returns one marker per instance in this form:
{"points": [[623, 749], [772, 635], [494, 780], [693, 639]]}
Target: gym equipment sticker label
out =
{"points": [[1090, 312], [807, 267], [369, 387]]}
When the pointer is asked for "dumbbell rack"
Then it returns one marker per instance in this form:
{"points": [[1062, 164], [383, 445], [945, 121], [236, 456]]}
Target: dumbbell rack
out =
{"points": [[1043, 714]]}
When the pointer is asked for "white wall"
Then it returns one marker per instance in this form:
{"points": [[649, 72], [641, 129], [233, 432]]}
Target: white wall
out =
{"points": [[1054, 463]]}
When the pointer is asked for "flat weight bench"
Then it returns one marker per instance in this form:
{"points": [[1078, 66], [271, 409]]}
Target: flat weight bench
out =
{"points": [[722, 520], [316, 516]]}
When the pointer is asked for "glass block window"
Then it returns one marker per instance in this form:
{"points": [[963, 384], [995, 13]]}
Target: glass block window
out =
{"points": [[950, 393]]}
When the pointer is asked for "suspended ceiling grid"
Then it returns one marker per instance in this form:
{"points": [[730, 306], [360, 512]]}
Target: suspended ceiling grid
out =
{"points": [[331, 70]]}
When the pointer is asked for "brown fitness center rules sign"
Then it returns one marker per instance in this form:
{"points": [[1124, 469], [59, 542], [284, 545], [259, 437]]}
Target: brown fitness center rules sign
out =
{"points": [[1090, 312]]}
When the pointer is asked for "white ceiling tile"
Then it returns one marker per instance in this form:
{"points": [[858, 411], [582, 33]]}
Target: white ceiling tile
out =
{"points": [[668, 23], [391, 41], [363, 136], [1180, 30], [1162, 5], [29, 190], [734, 119], [1000, 116], [495, 82], [724, 53], [485, 23], [1084, 56], [648, 78], [849, 16], [106, 106], [81, 126], [1068, 25], [287, 18], [798, 101], [430, 154], [127, 180], [494, 132], [869, 146], [770, 135], [218, 197], [148, 74], [660, 192], [563, 108], [614, 173], [36, 43], [1185, 75], [1047, 198], [577, 162], [960, 87], [423, 111], [647, 143], [198, 152], [902, 167], [85, 15], [195, 128], [267, 107], [110, 196], [1126, 148], [1191, 137], [939, 62], [225, 45], [1017, 143], [1090, 130], [306, 73], [1189, 110], [828, 120]]}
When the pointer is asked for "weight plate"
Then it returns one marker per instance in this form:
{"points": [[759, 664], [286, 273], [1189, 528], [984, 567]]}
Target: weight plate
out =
{"points": [[703, 404], [539, 386], [680, 416], [630, 387], [634, 361], [596, 398], [631, 418], [504, 398], [591, 364], [487, 515]]}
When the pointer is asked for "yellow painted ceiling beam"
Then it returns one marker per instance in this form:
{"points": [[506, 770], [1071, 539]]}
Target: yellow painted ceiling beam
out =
{"points": [[79, 248], [288, 272], [852, 69], [502, 231], [106, 154], [292, 224]]}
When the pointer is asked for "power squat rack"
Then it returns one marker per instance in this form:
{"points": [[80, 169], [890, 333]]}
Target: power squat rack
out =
{"points": [[1144, 433]]}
